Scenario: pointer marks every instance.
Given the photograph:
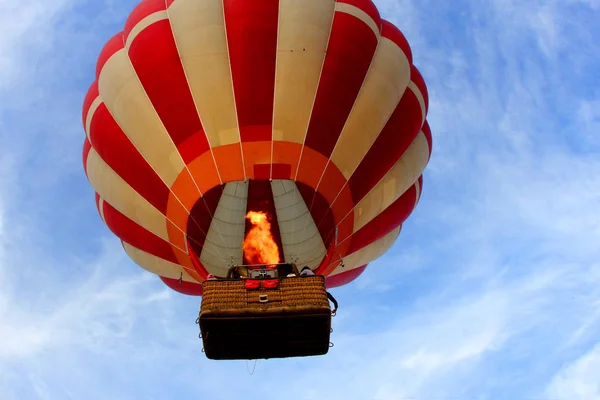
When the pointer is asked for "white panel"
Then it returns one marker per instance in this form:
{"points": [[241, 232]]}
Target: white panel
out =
{"points": [[226, 233], [299, 234], [368, 253], [157, 265]]}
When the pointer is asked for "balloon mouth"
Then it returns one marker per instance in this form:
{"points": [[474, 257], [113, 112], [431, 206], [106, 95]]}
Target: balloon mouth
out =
{"points": [[260, 223]]}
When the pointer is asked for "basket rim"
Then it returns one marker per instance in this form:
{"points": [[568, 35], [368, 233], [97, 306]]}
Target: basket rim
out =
{"points": [[213, 281]]}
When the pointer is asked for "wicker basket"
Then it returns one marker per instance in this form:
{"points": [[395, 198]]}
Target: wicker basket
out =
{"points": [[287, 317]]}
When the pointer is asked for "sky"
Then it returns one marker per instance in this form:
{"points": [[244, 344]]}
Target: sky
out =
{"points": [[492, 290]]}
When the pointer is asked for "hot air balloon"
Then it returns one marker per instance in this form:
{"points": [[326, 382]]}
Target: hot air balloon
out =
{"points": [[222, 133]]}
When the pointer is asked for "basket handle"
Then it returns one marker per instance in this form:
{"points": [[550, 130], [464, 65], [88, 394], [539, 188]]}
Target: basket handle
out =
{"points": [[334, 301]]}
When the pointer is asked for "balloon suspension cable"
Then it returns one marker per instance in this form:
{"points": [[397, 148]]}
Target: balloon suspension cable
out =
{"points": [[295, 216], [180, 278], [253, 368]]}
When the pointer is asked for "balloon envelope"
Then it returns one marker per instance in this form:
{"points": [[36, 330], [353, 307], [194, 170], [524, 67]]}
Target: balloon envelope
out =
{"points": [[310, 112]]}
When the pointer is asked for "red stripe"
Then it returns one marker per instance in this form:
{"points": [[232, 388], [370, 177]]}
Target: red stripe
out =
{"points": [[390, 219], [367, 6], [201, 217], [141, 11], [113, 45], [193, 147], [326, 260], [399, 132], [189, 288], [90, 96], [344, 278], [327, 231], [260, 198], [349, 54], [319, 211], [391, 32], [156, 61], [278, 171], [121, 155], [137, 236], [87, 146], [252, 40]]}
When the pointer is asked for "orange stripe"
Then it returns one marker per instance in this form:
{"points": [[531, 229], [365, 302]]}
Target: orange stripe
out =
{"points": [[287, 153], [312, 167], [229, 160], [185, 190], [256, 153], [204, 172], [176, 236], [176, 212]]}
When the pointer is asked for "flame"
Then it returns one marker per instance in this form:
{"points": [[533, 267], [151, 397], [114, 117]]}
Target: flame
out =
{"points": [[259, 245]]}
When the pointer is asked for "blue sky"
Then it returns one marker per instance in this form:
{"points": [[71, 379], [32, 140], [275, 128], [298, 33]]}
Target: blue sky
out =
{"points": [[491, 292]]}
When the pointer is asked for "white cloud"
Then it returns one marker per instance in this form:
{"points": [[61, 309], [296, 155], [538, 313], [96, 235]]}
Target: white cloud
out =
{"points": [[578, 380], [25, 24], [447, 345], [41, 312]]}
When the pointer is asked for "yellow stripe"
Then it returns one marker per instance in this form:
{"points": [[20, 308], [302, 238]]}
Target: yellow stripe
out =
{"points": [[199, 30], [88, 119], [358, 13], [143, 24], [368, 253], [113, 189], [397, 181], [381, 92], [157, 265], [101, 208], [412, 86], [128, 103], [418, 190], [304, 28]]}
